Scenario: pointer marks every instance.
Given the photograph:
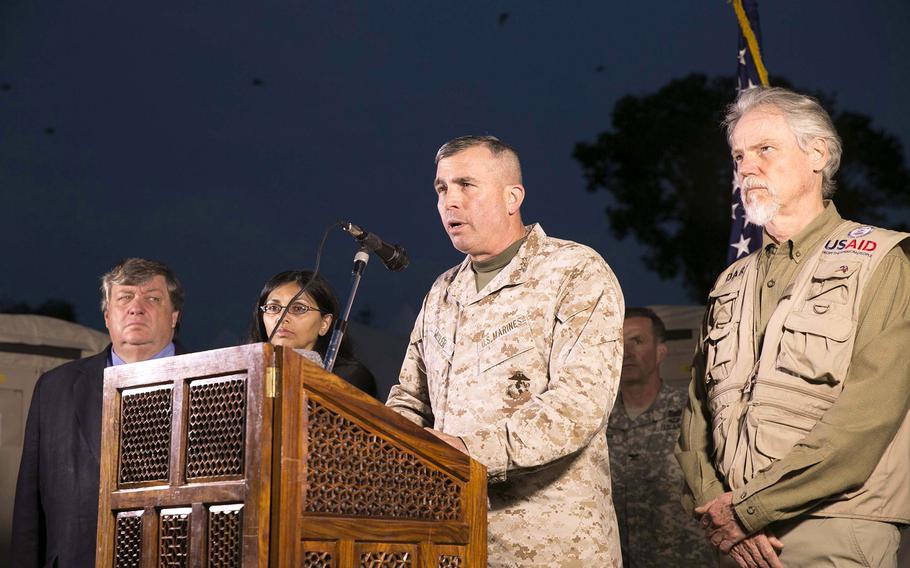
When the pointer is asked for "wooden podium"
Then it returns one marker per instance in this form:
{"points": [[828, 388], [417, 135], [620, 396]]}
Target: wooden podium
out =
{"points": [[253, 456]]}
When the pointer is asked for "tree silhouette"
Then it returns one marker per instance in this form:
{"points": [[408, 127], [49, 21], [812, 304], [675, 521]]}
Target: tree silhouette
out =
{"points": [[667, 165]]}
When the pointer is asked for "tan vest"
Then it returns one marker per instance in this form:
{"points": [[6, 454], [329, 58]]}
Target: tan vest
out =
{"points": [[762, 409]]}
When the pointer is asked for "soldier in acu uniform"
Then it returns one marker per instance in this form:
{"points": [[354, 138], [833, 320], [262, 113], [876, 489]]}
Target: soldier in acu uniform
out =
{"points": [[515, 359], [656, 531]]}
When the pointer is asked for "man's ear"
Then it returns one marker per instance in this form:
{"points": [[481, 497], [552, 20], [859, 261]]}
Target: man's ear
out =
{"points": [[175, 317], [515, 196], [661, 352], [818, 153]]}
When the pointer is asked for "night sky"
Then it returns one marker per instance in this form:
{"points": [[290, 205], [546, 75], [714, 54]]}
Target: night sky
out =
{"points": [[223, 137]]}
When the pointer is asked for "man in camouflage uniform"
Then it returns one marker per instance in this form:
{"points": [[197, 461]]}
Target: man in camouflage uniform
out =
{"points": [[655, 530], [515, 359]]}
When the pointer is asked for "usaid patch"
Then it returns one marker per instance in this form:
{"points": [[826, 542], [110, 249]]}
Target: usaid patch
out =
{"points": [[860, 231], [847, 245]]}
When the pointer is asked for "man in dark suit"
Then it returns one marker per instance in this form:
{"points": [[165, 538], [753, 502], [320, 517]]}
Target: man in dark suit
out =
{"points": [[56, 510]]}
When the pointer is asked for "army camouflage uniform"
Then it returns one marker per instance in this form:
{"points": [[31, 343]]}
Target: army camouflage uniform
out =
{"points": [[655, 530], [525, 371]]}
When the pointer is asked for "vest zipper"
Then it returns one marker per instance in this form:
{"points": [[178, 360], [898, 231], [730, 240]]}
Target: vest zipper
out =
{"points": [[720, 391], [791, 388], [750, 383], [786, 409]]}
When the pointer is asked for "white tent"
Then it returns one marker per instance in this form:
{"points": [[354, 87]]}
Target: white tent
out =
{"points": [[683, 324], [29, 346]]}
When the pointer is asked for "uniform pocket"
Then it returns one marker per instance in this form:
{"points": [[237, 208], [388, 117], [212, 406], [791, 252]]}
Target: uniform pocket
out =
{"points": [[438, 353], [506, 347]]}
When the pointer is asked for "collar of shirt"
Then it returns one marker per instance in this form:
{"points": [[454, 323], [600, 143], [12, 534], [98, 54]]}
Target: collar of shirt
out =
{"points": [[654, 413], [168, 351], [802, 244], [499, 261], [463, 287], [487, 270]]}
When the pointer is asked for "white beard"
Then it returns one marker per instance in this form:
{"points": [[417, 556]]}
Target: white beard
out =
{"points": [[759, 212]]}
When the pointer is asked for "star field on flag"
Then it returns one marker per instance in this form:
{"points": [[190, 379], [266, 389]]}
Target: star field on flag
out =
{"points": [[744, 236]]}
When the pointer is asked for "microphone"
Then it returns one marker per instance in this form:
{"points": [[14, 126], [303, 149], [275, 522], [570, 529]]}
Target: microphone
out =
{"points": [[393, 257]]}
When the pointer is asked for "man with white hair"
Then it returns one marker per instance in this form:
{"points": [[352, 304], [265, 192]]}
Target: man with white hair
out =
{"points": [[795, 444]]}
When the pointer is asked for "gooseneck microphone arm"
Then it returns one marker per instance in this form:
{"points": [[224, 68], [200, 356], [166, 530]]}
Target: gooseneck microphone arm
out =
{"points": [[341, 326]]}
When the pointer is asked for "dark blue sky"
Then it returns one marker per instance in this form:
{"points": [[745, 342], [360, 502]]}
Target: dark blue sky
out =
{"points": [[164, 147]]}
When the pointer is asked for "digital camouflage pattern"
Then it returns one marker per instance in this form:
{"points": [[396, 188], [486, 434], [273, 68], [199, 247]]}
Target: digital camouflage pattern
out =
{"points": [[655, 530], [525, 372]]}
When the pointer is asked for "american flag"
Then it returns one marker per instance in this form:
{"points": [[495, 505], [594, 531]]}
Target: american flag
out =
{"points": [[744, 236]]}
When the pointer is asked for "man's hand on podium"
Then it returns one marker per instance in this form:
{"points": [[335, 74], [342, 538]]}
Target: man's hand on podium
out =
{"points": [[453, 441]]}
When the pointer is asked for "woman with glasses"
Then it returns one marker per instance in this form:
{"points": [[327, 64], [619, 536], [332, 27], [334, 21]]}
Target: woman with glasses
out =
{"points": [[308, 324]]}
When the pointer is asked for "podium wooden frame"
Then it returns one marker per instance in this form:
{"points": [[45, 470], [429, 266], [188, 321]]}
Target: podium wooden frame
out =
{"points": [[253, 456]]}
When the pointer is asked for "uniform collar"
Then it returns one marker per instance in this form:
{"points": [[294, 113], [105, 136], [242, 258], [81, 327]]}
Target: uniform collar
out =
{"points": [[654, 413], [463, 287]]}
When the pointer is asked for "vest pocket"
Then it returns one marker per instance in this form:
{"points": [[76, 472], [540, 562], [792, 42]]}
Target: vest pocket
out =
{"points": [[722, 308], [815, 347], [720, 344], [833, 285], [721, 424], [776, 436]]}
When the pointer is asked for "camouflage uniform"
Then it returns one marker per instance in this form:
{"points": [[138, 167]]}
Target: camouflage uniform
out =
{"points": [[654, 528], [525, 372]]}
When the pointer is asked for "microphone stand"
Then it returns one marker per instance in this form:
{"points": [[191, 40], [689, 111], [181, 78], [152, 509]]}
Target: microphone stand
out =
{"points": [[360, 262]]}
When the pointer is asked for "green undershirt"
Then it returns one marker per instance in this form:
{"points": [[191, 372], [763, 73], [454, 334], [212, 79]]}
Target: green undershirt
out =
{"points": [[486, 270]]}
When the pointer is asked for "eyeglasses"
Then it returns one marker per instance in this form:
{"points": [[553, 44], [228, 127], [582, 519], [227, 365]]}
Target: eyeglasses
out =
{"points": [[295, 309]]}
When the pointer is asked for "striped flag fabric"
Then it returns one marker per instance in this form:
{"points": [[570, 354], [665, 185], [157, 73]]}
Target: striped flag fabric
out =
{"points": [[744, 236]]}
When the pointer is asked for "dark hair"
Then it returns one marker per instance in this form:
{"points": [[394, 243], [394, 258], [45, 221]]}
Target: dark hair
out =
{"points": [[318, 288], [657, 324], [496, 147]]}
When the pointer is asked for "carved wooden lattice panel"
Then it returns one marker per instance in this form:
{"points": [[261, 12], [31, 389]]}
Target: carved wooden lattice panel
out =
{"points": [[313, 559], [225, 537], [174, 537], [215, 428], [353, 472], [128, 540], [320, 553], [385, 560], [449, 561], [145, 434]]}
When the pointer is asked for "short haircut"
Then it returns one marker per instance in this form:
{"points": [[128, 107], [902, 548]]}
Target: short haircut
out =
{"points": [[805, 116], [657, 324], [136, 271], [496, 147]]}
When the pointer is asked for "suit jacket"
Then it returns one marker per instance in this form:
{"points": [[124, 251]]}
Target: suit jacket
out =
{"points": [[56, 509]]}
